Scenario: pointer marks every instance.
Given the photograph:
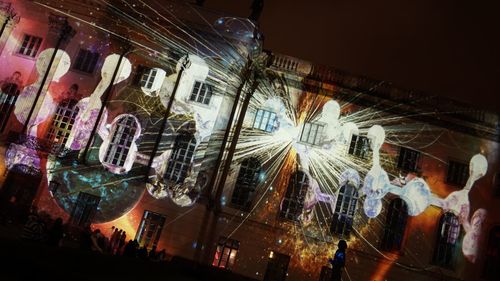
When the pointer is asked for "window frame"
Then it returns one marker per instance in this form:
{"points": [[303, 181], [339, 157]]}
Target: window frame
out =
{"points": [[143, 229], [246, 183], [293, 202], [34, 46], [147, 77], [318, 138], [174, 172], [223, 259], [269, 125], [62, 124], [90, 60], [345, 210], [444, 251], [463, 173], [357, 146], [395, 225], [196, 93], [404, 155], [121, 133]]}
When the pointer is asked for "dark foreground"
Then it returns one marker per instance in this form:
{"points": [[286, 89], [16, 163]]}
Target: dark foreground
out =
{"points": [[26, 260]]}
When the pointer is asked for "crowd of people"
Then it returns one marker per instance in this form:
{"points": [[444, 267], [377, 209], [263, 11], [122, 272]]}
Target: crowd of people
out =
{"points": [[42, 228]]}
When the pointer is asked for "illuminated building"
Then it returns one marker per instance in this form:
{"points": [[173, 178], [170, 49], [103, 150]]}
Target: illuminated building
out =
{"points": [[312, 155]]}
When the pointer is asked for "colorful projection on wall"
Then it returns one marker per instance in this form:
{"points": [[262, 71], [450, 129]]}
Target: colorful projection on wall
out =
{"points": [[287, 131]]}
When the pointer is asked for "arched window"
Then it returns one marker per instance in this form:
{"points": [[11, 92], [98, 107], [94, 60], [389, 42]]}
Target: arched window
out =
{"points": [[121, 140], [491, 271], [63, 122], [447, 237], [8, 96], [181, 158], [395, 225], [293, 203], [246, 183], [343, 217]]}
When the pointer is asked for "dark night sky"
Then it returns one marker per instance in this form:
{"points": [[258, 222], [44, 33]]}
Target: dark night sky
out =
{"points": [[443, 47]]}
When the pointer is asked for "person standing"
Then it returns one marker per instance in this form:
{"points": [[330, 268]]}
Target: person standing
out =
{"points": [[56, 233], [338, 261]]}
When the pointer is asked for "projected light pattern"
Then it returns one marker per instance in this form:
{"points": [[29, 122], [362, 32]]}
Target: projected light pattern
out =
{"points": [[308, 132]]}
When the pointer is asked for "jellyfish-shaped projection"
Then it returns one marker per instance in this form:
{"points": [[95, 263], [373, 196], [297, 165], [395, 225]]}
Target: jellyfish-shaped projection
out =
{"points": [[25, 101], [315, 195], [376, 184], [417, 196], [458, 203], [89, 107], [330, 115]]}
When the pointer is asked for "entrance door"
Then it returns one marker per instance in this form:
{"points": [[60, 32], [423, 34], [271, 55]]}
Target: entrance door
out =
{"points": [[85, 209], [150, 229], [277, 267], [19, 191]]}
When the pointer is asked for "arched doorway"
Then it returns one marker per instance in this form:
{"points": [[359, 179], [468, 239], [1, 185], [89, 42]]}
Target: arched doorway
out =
{"points": [[19, 191]]}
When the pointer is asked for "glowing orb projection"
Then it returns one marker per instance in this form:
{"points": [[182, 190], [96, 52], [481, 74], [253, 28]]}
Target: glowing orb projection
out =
{"points": [[118, 195]]}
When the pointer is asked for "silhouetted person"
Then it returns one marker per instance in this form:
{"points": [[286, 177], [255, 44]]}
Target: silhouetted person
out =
{"points": [[257, 7], [130, 249], [95, 241], [143, 253], [85, 239], [162, 255], [200, 2], [121, 243], [152, 253], [338, 261], [55, 233]]}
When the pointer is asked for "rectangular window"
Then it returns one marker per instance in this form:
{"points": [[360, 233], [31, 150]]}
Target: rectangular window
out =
{"points": [[457, 173], [360, 146], [30, 45], [225, 253], [148, 78], [312, 133], [265, 120], [86, 61], [202, 93], [149, 231], [277, 267], [408, 159]]}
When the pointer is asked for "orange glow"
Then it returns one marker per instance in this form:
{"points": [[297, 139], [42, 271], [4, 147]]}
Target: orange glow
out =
{"points": [[383, 267], [128, 223]]}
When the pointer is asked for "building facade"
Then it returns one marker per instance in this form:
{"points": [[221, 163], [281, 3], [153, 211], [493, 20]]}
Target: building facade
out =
{"points": [[171, 123]]}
